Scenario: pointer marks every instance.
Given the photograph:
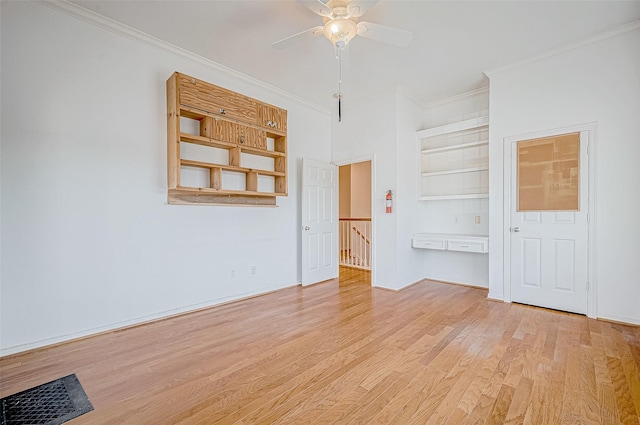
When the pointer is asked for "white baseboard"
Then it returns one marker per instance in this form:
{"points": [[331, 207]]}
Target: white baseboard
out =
{"points": [[620, 319], [118, 326], [454, 282]]}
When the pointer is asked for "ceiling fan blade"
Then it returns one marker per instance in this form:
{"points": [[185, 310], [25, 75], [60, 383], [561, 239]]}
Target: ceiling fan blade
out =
{"points": [[357, 8], [297, 38], [389, 35], [317, 7]]}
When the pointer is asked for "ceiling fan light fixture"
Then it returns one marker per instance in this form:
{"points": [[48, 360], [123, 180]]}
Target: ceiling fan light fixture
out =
{"points": [[340, 31]]}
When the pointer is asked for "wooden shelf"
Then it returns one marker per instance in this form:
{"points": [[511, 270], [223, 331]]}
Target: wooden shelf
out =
{"points": [[198, 114], [224, 121], [205, 141], [204, 196], [262, 152], [213, 143], [206, 190], [211, 165]]}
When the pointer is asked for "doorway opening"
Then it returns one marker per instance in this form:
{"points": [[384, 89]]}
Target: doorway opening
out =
{"points": [[355, 231]]}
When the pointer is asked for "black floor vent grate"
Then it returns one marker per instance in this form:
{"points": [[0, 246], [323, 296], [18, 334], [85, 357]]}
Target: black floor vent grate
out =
{"points": [[52, 403]]}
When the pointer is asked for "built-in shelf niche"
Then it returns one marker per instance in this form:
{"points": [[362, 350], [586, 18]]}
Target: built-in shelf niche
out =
{"points": [[454, 160]]}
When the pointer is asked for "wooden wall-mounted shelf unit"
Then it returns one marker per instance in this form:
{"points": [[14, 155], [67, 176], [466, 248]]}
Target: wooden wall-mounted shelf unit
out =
{"points": [[223, 147], [454, 160]]}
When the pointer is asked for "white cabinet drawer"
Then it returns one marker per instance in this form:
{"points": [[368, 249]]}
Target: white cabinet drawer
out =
{"points": [[451, 242], [429, 243], [467, 245]]}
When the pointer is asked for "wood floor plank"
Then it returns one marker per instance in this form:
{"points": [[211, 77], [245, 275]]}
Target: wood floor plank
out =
{"points": [[600, 360], [609, 413], [536, 410], [626, 406], [554, 392], [324, 402], [519, 403], [474, 392], [588, 387], [481, 411], [467, 368], [631, 369], [571, 402], [501, 406], [346, 353], [410, 407], [421, 378]]}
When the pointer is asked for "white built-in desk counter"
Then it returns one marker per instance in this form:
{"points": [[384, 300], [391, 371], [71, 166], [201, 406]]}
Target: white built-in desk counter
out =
{"points": [[450, 242]]}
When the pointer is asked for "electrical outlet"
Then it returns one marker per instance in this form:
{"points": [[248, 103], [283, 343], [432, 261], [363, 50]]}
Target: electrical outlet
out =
{"points": [[456, 219], [253, 269], [477, 219], [232, 274]]}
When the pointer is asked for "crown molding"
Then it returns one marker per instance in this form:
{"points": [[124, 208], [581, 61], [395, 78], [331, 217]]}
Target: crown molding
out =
{"points": [[93, 18], [401, 90], [458, 97], [410, 95], [613, 32]]}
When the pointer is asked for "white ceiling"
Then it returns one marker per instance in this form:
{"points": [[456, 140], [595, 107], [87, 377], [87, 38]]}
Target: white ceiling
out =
{"points": [[454, 41]]}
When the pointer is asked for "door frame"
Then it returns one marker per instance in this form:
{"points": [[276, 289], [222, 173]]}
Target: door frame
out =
{"points": [[508, 148], [353, 160]]}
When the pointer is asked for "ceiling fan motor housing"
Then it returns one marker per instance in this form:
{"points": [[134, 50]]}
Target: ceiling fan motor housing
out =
{"points": [[340, 31]]}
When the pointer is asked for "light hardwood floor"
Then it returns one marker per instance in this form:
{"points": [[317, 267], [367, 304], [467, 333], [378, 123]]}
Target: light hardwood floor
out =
{"points": [[341, 352]]}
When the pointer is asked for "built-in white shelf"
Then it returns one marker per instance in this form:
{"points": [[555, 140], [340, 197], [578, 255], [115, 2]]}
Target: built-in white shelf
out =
{"points": [[451, 242], [455, 127], [455, 147], [454, 171], [454, 160]]}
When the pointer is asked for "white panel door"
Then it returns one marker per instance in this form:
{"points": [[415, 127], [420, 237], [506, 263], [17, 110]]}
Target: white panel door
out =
{"points": [[549, 255], [319, 221]]}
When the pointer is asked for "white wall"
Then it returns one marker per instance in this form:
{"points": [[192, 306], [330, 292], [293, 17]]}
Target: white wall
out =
{"points": [[344, 191], [88, 240], [385, 127], [360, 189], [412, 266], [593, 83], [368, 130]]}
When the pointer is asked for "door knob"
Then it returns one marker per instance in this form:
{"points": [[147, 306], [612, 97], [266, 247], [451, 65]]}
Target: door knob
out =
{"points": [[306, 228], [515, 229]]}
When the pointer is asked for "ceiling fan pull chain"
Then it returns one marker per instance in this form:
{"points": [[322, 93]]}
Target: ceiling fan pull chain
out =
{"points": [[339, 84]]}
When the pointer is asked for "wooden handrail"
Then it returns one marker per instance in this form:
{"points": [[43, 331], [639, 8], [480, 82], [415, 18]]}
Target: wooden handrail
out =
{"points": [[355, 219], [359, 233]]}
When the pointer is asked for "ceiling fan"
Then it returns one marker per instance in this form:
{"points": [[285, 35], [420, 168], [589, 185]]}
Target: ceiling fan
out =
{"points": [[341, 24]]}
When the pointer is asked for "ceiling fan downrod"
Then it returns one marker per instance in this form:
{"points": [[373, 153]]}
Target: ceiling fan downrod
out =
{"points": [[339, 83]]}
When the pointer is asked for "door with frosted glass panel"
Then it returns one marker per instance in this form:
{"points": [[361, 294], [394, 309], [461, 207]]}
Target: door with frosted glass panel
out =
{"points": [[549, 229]]}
